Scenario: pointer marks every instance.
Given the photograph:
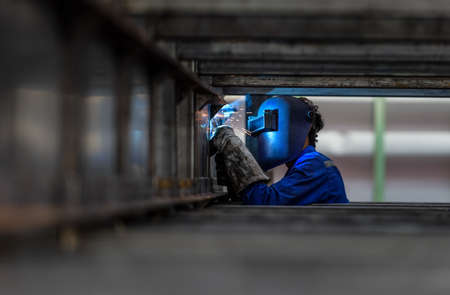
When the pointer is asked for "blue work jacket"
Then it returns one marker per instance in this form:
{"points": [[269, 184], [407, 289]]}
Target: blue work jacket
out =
{"points": [[312, 179]]}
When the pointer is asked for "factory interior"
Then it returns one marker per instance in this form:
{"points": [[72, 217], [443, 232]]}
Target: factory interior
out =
{"points": [[108, 179]]}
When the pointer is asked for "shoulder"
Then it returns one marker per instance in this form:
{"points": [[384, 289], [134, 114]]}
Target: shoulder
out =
{"points": [[311, 161]]}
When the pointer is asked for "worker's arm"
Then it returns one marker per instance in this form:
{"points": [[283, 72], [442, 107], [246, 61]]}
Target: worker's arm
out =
{"points": [[305, 184], [237, 162]]}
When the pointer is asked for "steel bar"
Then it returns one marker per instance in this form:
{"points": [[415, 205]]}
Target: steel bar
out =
{"points": [[21, 221], [318, 27], [331, 82], [321, 67], [288, 7], [386, 92]]}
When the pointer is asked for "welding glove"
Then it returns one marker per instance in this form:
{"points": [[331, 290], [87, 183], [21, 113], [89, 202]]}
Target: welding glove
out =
{"points": [[235, 159], [221, 173]]}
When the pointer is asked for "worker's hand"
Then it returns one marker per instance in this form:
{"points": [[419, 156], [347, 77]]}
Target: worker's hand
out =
{"points": [[218, 140], [224, 117], [241, 169], [215, 123]]}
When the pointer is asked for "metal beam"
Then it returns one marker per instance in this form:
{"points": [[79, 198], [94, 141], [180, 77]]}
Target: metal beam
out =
{"points": [[306, 51], [332, 82], [29, 221], [409, 7], [385, 92], [324, 67], [315, 58], [320, 27], [163, 136]]}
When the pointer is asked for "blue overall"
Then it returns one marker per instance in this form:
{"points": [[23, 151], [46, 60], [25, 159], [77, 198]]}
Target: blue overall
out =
{"points": [[312, 179]]}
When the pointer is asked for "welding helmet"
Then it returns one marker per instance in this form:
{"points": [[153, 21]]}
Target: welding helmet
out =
{"points": [[281, 127]]}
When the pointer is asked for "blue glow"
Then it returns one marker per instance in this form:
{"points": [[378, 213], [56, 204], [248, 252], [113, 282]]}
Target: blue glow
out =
{"points": [[226, 116]]}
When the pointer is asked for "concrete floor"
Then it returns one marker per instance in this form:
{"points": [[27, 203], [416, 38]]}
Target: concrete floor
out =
{"points": [[242, 250]]}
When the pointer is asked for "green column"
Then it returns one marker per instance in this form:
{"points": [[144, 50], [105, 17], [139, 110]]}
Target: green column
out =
{"points": [[379, 164]]}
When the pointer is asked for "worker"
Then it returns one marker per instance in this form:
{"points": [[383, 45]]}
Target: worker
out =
{"points": [[311, 176]]}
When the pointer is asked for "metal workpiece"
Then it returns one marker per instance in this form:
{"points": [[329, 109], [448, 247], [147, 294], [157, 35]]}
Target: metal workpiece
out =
{"points": [[32, 70]]}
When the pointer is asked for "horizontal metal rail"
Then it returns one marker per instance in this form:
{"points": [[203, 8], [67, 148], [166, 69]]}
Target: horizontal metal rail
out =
{"points": [[347, 92], [332, 81], [21, 221], [318, 27], [317, 219]]}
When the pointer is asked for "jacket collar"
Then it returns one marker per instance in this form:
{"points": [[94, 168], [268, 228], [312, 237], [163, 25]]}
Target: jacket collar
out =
{"points": [[306, 150]]}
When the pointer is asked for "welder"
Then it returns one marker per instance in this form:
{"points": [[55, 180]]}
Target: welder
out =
{"points": [[286, 128]]}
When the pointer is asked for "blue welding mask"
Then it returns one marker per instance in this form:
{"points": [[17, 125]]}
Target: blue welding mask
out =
{"points": [[281, 128]]}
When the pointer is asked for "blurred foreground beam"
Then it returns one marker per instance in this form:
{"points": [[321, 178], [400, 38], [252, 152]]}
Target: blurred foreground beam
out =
{"points": [[163, 141], [410, 7], [31, 220], [126, 36], [319, 27]]}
